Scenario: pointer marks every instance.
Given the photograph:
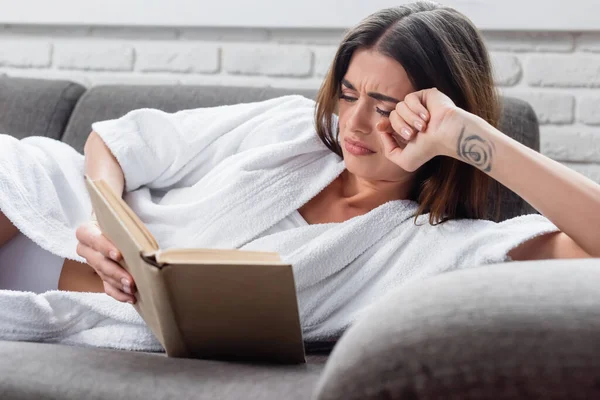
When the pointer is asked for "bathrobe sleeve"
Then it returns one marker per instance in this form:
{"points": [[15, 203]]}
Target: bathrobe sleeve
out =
{"points": [[471, 243], [163, 150]]}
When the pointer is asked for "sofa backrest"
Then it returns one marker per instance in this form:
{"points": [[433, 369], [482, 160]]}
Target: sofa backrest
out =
{"points": [[36, 107], [108, 102]]}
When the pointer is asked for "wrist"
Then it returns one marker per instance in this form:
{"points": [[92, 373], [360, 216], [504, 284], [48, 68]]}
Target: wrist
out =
{"points": [[462, 132], [474, 143], [452, 124]]}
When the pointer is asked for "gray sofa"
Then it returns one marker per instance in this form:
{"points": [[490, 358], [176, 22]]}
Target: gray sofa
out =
{"points": [[510, 331]]}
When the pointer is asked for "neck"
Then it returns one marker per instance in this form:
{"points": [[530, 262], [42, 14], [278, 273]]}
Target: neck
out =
{"points": [[364, 194]]}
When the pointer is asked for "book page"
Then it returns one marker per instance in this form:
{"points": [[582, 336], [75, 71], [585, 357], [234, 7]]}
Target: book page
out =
{"points": [[218, 256]]}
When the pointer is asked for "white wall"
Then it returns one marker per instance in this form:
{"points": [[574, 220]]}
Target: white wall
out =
{"points": [[487, 14], [558, 72]]}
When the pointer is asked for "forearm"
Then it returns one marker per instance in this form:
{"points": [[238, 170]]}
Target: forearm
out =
{"points": [[101, 164], [567, 198]]}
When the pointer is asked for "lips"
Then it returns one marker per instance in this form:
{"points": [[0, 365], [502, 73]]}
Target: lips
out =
{"points": [[359, 144]]}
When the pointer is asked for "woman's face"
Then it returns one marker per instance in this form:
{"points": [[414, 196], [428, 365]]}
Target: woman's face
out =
{"points": [[371, 88]]}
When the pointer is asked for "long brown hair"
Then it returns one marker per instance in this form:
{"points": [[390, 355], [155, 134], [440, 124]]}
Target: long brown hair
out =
{"points": [[438, 47]]}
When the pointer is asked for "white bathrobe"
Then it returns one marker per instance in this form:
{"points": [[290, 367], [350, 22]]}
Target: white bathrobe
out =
{"points": [[218, 178]]}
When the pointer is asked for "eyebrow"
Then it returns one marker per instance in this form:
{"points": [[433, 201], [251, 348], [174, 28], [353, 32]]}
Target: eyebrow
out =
{"points": [[375, 95]]}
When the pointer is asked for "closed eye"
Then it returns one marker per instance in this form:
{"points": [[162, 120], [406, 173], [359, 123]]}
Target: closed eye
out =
{"points": [[383, 112], [377, 109], [348, 98]]}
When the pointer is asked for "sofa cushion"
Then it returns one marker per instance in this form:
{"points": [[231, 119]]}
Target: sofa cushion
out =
{"points": [[526, 330], [108, 102], [36, 106], [49, 371]]}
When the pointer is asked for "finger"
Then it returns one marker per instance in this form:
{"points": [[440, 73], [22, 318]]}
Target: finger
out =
{"points": [[108, 270], [117, 294], [400, 126], [385, 126], [90, 235], [415, 101], [118, 285], [390, 146], [410, 117]]}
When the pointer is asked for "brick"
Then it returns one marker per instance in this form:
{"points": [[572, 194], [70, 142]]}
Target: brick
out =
{"points": [[177, 57], [144, 33], [592, 171], [588, 110], [507, 69], [563, 71], [224, 34], [307, 36], [550, 107], [267, 60], [323, 59], [97, 56], [570, 143], [25, 54], [589, 42], [529, 41]]}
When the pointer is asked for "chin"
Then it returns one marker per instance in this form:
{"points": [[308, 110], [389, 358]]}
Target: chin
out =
{"points": [[374, 169]]}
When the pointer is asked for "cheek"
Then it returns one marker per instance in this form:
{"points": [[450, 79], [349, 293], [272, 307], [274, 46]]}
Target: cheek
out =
{"points": [[343, 112]]}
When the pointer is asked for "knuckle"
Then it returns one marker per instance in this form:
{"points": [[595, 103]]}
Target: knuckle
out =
{"points": [[112, 283], [108, 289], [80, 250], [99, 272], [114, 292], [96, 243], [110, 269], [98, 262], [404, 108], [103, 267], [83, 233], [85, 237], [79, 233]]}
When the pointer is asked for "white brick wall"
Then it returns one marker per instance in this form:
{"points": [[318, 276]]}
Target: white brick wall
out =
{"points": [[266, 59], [558, 73], [94, 56]]}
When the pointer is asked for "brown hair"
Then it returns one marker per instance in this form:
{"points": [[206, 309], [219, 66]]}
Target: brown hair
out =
{"points": [[438, 47]]}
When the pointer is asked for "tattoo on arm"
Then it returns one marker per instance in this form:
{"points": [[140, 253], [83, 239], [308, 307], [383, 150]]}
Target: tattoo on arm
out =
{"points": [[475, 150]]}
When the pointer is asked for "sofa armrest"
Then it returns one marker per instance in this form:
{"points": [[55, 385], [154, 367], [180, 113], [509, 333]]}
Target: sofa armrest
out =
{"points": [[520, 330]]}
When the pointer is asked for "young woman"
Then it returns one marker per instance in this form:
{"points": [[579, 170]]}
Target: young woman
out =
{"points": [[405, 124]]}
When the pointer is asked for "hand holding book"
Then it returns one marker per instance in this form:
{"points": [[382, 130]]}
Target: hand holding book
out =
{"points": [[198, 302], [104, 257]]}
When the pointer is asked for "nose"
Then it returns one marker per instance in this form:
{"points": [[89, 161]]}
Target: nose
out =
{"points": [[358, 120]]}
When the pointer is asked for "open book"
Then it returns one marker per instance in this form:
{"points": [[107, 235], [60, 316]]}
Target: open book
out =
{"points": [[205, 303]]}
